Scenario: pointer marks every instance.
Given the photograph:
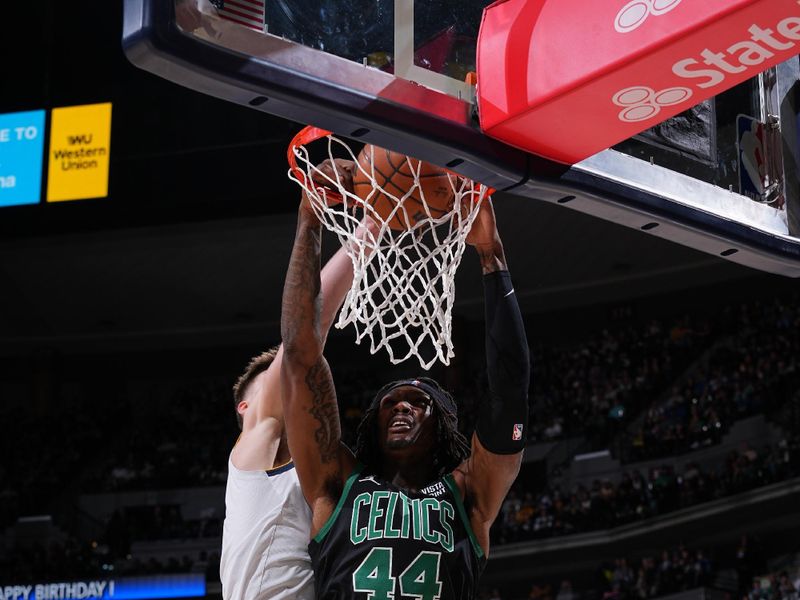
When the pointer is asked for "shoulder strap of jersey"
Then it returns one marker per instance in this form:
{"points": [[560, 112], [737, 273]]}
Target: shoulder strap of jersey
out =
{"points": [[462, 513]]}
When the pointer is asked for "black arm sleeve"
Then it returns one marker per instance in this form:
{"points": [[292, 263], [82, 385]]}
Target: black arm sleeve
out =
{"points": [[502, 420]]}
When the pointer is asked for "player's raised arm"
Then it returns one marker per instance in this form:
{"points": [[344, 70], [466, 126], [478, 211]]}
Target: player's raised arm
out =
{"points": [[309, 398], [499, 439], [258, 393]]}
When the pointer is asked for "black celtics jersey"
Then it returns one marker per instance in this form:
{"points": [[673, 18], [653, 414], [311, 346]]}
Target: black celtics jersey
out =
{"points": [[386, 543]]}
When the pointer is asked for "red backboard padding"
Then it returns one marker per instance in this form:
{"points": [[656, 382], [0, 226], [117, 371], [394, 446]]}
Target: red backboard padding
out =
{"points": [[568, 78]]}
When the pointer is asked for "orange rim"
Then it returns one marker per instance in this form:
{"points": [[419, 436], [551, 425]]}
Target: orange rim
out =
{"points": [[306, 135], [309, 134]]}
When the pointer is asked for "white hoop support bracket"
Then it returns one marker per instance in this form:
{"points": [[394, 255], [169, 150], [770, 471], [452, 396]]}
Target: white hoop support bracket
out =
{"points": [[403, 288]]}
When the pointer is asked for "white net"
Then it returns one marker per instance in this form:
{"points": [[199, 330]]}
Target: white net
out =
{"points": [[403, 287]]}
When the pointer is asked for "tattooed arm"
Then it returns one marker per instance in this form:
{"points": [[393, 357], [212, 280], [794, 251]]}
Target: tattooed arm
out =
{"points": [[309, 398]]}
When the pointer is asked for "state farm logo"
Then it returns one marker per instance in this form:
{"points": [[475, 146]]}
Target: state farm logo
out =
{"points": [[641, 102], [709, 68], [635, 12]]}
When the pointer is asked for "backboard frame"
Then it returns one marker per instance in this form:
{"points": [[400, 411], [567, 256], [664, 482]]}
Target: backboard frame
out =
{"points": [[371, 106]]}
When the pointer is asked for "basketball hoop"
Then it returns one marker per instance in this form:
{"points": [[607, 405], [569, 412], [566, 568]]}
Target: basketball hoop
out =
{"points": [[403, 287]]}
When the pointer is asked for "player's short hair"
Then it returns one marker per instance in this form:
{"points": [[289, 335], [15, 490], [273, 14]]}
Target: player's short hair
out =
{"points": [[257, 365], [452, 448]]}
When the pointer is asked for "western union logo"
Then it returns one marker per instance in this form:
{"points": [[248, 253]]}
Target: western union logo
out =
{"points": [[80, 151]]}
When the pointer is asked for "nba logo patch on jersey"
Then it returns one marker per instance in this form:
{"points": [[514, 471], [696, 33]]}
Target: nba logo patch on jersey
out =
{"points": [[517, 434]]}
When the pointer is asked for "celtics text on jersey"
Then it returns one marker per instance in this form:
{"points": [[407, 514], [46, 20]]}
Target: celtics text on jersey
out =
{"points": [[386, 543]]}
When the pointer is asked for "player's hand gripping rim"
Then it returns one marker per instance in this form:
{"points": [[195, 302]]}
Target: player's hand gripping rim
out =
{"points": [[327, 178]]}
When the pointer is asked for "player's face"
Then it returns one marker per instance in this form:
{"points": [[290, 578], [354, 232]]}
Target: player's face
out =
{"points": [[405, 419]]}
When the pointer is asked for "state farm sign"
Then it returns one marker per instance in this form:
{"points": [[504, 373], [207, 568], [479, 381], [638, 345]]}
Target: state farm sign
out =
{"points": [[753, 51], [569, 78]]}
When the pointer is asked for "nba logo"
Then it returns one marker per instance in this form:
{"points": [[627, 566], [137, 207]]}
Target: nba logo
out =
{"points": [[517, 435], [752, 147]]}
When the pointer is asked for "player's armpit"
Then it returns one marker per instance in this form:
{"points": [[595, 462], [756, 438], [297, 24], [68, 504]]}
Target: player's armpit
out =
{"points": [[485, 479]]}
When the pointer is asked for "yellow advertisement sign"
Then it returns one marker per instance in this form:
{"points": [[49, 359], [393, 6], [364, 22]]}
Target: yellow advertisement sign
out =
{"points": [[80, 151]]}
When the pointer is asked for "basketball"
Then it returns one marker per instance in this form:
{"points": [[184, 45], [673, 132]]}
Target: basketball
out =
{"points": [[394, 172]]}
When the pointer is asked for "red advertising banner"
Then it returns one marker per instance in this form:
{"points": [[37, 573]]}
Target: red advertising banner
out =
{"points": [[568, 78]]}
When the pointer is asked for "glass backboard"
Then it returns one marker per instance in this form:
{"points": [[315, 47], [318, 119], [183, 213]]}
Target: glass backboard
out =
{"points": [[720, 177], [430, 43]]}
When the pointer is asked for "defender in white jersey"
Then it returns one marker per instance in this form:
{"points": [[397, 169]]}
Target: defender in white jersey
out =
{"points": [[267, 520], [265, 537]]}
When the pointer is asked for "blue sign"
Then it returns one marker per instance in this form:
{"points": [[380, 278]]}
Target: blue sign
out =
{"points": [[189, 585], [21, 149], [164, 586]]}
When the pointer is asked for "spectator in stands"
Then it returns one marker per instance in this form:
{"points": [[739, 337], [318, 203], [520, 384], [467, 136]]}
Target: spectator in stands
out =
{"points": [[749, 561], [786, 589], [565, 591]]}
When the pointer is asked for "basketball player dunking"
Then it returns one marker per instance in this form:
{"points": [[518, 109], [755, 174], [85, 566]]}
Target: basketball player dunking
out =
{"points": [[267, 521], [407, 515]]}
